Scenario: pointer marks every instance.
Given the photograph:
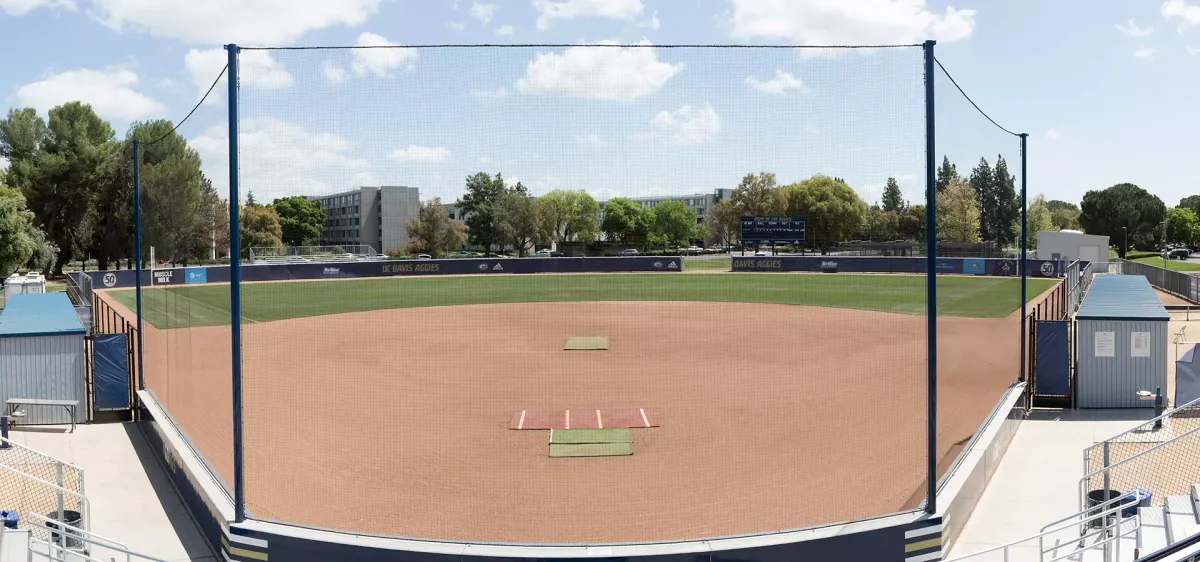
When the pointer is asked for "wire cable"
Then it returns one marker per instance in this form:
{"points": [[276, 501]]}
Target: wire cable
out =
{"points": [[198, 104], [964, 94]]}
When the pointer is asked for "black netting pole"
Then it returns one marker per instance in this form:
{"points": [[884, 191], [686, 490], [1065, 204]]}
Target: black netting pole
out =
{"points": [[931, 280]]}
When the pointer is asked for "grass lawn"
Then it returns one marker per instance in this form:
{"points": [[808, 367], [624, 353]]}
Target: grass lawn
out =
{"points": [[208, 305], [719, 264], [1173, 265]]}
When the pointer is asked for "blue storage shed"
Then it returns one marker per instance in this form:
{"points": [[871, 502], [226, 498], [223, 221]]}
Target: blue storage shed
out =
{"points": [[1122, 343], [42, 354]]}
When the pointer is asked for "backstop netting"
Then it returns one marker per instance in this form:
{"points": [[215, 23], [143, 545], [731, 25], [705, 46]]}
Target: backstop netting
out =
{"points": [[979, 315]]}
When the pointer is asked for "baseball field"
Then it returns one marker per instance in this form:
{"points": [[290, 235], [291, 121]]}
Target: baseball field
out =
{"points": [[415, 406]]}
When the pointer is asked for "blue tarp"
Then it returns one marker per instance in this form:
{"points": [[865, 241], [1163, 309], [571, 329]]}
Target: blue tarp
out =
{"points": [[1053, 361], [110, 375]]}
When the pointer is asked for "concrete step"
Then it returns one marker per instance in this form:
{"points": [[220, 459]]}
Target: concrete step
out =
{"points": [[1154, 529], [1181, 518]]}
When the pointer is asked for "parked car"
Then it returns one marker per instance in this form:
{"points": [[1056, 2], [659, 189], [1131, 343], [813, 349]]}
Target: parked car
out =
{"points": [[423, 257], [628, 252], [1178, 254], [760, 253], [556, 254]]}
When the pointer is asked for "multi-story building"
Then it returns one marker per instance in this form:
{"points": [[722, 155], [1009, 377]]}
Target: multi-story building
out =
{"points": [[371, 216], [702, 203]]}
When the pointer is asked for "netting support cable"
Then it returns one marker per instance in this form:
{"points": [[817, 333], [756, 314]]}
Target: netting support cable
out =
{"points": [[194, 108], [971, 101], [931, 281], [137, 237], [1024, 250], [235, 291]]}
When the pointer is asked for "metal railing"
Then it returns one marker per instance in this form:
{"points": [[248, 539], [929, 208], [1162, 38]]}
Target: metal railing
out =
{"points": [[32, 494], [1164, 482], [1176, 282], [56, 541], [41, 466], [1113, 526], [1151, 426], [300, 254]]}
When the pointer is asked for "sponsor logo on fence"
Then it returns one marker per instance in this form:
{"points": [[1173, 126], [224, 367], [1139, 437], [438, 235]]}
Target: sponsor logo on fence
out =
{"points": [[483, 267], [657, 265], [110, 279], [1047, 269], [195, 275], [164, 277], [331, 271], [406, 267]]}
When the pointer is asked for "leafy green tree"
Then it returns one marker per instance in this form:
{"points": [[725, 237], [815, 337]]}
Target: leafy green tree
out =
{"points": [[258, 227], [250, 202], [302, 220], [433, 231], [983, 183], [724, 223], [624, 221], [569, 216], [519, 221], [674, 221], [1124, 205], [946, 173], [16, 226], [1063, 215], [1183, 228], [758, 195], [912, 223], [479, 207], [832, 211], [893, 199], [211, 235], [1058, 205], [958, 213], [22, 134], [1006, 222], [1039, 218], [880, 225]]}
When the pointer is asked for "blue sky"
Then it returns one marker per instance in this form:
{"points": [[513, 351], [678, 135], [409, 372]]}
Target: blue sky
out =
{"points": [[1105, 89]]}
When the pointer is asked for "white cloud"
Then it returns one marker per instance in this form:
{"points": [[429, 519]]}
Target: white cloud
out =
{"points": [[482, 12], [421, 155], [653, 22], [863, 22], [382, 59], [289, 159], [484, 160], [110, 92], [1188, 14], [504, 30], [456, 25], [1131, 29], [1193, 50], [688, 125], [333, 72], [256, 69], [551, 10], [779, 84], [610, 73], [253, 22], [1053, 134], [21, 7], [497, 93], [593, 141], [1146, 53]]}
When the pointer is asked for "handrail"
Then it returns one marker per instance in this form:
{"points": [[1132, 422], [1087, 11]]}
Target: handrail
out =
{"points": [[1087, 478], [12, 443], [1189, 405], [1095, 512], [85, 506], [69, 532]]}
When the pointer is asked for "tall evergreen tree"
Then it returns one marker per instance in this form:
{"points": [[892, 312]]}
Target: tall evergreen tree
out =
{"points": [[893, 200], [1007, 213], [946, 173], [983, 184]]}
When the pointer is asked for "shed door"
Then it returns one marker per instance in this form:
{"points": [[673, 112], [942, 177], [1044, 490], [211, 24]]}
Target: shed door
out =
{"points": [[1052, 359], [1090, 253]]}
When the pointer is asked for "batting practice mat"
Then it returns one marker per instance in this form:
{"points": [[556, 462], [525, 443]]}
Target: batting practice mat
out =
{"points": [[583, 419]]}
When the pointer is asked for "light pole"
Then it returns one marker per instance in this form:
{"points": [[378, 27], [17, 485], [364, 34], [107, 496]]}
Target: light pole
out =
{"points": [[1125, 248]]}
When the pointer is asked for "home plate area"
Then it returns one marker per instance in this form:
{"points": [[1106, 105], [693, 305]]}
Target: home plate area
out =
{"points": [[586, 432]]}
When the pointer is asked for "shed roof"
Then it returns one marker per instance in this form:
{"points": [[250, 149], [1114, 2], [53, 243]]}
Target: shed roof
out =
{"points": [[48, 314], [1121, 297]]}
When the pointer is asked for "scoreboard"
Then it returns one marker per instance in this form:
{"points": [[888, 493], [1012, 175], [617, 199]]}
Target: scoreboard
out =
{"points": [[772, 230]]}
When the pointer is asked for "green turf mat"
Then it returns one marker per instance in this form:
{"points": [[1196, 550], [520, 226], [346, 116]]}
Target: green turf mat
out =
{"points": [[590, 343], [590, 450], [590, 436]]}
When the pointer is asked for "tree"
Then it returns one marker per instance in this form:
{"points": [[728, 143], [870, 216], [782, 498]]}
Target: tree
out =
{"points": [[958, 213], [569, 216], [479, 207], [674, 221], [880, 225], [757, 195], [1038, 219], [1057, 205], [1110, 211], [518, 220], [433, 230], [1183, 228], [832, 211], [301, 220], [624, 221], [1006, 222], [724, 222], [946, 173], [250, 202], [983, 185], [893, 199], [211, 235], [258, 227], [912, 223], [16, 226]]}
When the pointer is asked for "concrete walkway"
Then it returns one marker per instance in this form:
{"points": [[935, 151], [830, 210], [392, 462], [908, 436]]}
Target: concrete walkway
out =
{"points": [[132, 500], [1038, 480]]}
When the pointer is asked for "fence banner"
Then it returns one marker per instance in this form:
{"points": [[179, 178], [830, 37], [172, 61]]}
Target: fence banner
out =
{"points": [[856, 264]]}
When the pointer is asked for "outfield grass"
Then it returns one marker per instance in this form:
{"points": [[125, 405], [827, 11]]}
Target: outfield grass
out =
{"points": [[208, 305], [1173, 265]]}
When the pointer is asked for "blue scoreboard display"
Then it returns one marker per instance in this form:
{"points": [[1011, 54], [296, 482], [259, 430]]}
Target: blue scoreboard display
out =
{"points": [[772, 230]]}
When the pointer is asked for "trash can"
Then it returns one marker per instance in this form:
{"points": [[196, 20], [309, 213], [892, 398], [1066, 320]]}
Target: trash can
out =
{"points": [[10, 518], [1141, 498], [1095, 498], [71, 518]]}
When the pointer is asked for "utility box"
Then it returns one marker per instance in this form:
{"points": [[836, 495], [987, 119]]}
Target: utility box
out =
{"points": [[1071, 245], [29, 283], [1122, 339]]}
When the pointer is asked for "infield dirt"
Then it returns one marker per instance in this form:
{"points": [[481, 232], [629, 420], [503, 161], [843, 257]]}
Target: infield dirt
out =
{"points": [[394, 422]]}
